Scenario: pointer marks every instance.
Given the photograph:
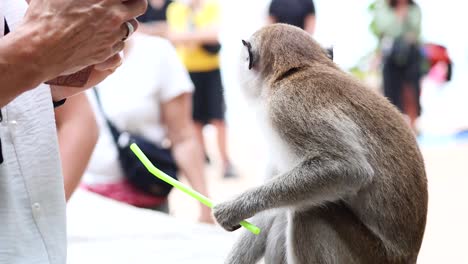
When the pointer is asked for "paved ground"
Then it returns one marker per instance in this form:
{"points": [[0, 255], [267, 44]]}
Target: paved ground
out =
{"points": [[446, 237], [102, 231]]}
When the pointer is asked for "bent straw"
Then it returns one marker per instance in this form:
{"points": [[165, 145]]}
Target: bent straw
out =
{"points": [[184, 188]]}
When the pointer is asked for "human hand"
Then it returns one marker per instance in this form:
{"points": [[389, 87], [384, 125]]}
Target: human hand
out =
{"points": [[98, 73], [70, 35]]}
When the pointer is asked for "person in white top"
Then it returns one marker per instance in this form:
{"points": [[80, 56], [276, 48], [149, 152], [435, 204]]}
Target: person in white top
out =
{"points": [[38, 48], [149, 95]]}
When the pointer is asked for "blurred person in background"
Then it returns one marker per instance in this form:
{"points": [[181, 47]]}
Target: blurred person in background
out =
{"points": [[156, 11], [398, 24], [77, 137], [299, 13], [154, 19], [193, 29], [151, 96]]}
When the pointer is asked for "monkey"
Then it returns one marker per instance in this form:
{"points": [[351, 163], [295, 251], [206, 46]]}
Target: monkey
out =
{"points": [[351, 185]]}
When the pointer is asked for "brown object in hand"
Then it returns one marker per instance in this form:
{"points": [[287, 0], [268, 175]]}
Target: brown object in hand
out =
{"points": [[77, 79]]}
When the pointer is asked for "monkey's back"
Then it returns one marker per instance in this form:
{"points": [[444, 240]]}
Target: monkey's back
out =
{"points": [[394, 205]]}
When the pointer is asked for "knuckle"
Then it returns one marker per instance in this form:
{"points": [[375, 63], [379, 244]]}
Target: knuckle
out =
{"points": [[120, 46], [109, 52], [97, 10], [142, 6], [115, 20], [103, 54], [100, 57]]}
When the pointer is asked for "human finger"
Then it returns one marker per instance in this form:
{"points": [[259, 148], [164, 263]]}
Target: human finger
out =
{"points": [[110, 64], [127, 29], [133, 8]]}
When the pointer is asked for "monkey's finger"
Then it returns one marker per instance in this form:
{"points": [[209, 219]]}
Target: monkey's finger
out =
{"points": [[234, 228]]}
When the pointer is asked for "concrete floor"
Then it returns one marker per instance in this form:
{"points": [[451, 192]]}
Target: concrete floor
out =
{"points": [[102, 231], [446, 237]]}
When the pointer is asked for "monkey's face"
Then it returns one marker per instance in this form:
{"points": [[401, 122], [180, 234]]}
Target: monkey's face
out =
{"points": [[275, 50]]}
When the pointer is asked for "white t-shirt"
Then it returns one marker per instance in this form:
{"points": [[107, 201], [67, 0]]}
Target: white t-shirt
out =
{"points": [[32, 199], [131, 97]]}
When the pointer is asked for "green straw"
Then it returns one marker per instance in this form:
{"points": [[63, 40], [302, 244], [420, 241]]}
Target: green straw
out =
{"points": [[177, 184]]}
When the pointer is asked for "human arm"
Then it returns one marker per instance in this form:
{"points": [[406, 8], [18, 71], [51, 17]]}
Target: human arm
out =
{"points": [[201, 36], [188, 153], [78, 34], [17, 62], [309, 24], [383, 19], [99, 72], [414, 24], [310, 19], [271, 20], [272, 13], [158, 28], [77, 132]]}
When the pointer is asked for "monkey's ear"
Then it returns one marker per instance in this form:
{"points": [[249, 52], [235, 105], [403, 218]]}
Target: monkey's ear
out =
{"points": [[249, 49], [329, 52]]}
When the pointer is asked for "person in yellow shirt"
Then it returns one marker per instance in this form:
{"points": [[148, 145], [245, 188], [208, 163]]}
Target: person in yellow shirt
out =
{"points": [[193, 29]]}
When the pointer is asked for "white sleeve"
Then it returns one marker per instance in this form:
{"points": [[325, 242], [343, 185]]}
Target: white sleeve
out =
{"points": [[175, 79]]}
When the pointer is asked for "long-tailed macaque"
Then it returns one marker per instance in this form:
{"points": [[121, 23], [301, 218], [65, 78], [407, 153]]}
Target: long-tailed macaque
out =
{"points": [[352, 186]]}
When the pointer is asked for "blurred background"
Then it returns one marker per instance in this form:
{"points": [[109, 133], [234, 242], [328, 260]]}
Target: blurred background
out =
{"points": [[102, 230]]}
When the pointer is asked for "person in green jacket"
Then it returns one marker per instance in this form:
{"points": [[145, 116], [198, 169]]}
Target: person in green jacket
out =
{"points": [[398, 25]]}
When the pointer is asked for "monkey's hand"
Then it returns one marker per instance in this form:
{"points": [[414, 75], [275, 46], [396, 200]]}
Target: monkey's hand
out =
{"points": [[229, 214]]}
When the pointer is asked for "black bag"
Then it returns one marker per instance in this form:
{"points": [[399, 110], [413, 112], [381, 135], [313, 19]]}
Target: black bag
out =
{"points": [[212, 48], [134, 171], [400, 51]]}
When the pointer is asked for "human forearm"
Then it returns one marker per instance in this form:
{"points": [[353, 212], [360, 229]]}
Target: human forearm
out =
{"points": [[19, 71], [77, 134], [187, 151], [206, 36], [414, 32], [309, 24], [189, 157], [271, 20]]}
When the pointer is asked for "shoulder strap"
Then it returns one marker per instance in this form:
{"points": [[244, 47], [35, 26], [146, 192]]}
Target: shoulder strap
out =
{"points": [[113, 129]]}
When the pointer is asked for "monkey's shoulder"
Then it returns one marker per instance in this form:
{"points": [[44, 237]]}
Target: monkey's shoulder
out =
{"points": [[326, 87], [311, 91]]}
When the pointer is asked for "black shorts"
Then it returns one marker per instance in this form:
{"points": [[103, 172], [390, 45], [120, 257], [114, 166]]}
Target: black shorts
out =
{"points": [[394, 77], [208, 98]]}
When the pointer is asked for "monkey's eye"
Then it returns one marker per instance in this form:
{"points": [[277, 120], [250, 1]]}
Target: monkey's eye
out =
{"points": [[329, 52], [249, 50]]}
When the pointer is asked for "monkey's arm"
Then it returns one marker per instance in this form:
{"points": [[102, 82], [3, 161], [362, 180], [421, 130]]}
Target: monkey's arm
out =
{"points": [[324, 176]]}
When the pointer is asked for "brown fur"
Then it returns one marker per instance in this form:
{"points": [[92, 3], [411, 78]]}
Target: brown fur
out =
{"points": [[358, 191]]}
